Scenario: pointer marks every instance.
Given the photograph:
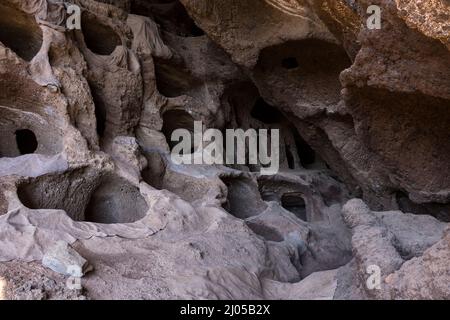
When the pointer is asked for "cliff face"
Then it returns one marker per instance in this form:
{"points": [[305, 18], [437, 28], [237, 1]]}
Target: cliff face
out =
{"points": [[86, 118]]}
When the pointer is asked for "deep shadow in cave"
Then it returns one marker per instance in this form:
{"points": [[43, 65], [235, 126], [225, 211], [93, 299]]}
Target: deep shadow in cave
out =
{"points": [[266, 113], [171, 15], [306, 154], [290, 157], [290, 63], [26, 141], [19, 32], [173, 79], [295, 203], [312, 65], [99, 38], [247, 105], [177, 119], [437, 210]]}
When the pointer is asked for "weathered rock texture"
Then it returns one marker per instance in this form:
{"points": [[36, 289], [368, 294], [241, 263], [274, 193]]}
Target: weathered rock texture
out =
{"points": [[86, 118]]}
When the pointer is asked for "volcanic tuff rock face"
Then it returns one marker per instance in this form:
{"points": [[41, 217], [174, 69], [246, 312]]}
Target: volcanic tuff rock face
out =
{"points": [[86, 118]]}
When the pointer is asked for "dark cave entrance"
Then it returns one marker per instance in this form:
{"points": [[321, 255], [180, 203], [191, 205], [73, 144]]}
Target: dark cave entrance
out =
{"points": [[306, 154], [177, 119], [171, 15], [100, 116], [173, 79], [26, 141], [266, 113], [253, 112], [195, 31], [295, 203], [290, 63], [311, 64], [288, 195], [99, 38], [290, 157], [19, 32], [437, 210]]}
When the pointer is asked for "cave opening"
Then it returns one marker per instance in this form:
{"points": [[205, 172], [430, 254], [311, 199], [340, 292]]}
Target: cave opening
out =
{"points": [[253, 112], [177, 119], [295, 203], [173, 79], [85, 197], [437, 210], [195, 31], [26, 141], [23, 132], [290, 157], [100, 117], [68, 191], [145, 8], [99, 38], [311, 64], [115, 201], [19, 32], [290, 63], [171, 15], [266, 113], [306, 154]]}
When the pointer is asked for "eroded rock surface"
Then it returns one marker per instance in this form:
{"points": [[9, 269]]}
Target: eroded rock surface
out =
{"points": [[86, 118]]}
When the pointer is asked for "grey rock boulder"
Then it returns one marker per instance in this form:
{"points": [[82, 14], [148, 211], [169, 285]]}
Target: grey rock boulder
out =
{"points": [[63, 259]]}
